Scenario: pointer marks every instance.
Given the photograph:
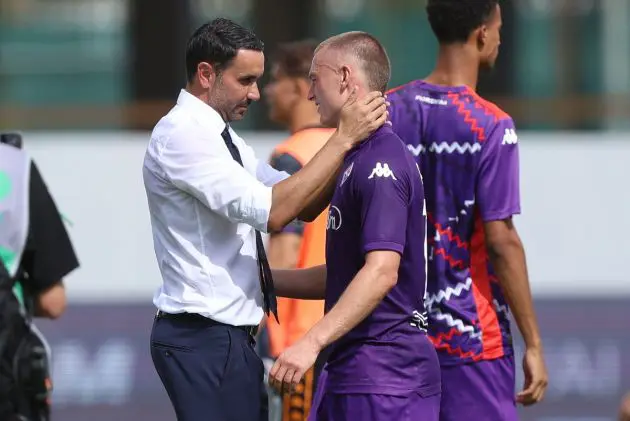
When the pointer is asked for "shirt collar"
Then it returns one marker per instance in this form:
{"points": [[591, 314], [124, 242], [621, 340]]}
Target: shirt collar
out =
{"points": [[202, 112]]}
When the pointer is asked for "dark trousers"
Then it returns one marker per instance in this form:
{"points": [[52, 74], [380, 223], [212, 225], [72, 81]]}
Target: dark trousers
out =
{"points": [[210, 371]]}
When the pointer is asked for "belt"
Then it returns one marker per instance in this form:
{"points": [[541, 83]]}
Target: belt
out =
{"points": [[194, 317]]}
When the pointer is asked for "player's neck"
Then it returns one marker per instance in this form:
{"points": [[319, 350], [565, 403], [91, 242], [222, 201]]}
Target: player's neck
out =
{"points": [[456, 66], [304, 116]]}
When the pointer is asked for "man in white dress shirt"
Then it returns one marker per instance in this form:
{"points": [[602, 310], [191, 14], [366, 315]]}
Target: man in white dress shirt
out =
{"points": [[209, 198]]}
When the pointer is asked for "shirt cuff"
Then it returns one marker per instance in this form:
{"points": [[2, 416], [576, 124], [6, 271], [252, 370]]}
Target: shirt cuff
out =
{"points": [[500, 215], [383, 245]]}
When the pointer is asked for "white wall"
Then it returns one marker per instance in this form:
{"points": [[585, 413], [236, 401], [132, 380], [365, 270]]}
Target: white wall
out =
{"points": [[574, 225]]}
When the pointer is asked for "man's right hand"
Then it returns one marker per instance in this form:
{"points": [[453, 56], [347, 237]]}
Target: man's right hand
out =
{"points": [[361, 117], [536, 377]]}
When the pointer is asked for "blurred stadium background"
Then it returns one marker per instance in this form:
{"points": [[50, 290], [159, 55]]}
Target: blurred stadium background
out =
{"points": [[86, 79]]}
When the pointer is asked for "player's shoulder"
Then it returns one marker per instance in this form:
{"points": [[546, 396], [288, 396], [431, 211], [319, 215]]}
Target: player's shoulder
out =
{"points": [[284, 152], [405, 95], [176, 130], [499, 125], [386, 142], [489, 108], [384, 150], [300, 137], [304, 143], [405, 88], [285, 162]]}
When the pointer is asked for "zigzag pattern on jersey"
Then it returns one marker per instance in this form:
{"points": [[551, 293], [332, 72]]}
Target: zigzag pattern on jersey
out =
{"points": [[446, 293], [448, 232], [490, 109], [500, 308], [442, 147], [441, 341], [467, 114], [452, 322], [453, 262]]}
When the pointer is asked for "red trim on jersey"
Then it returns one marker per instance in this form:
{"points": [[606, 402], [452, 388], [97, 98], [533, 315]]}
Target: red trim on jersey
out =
{"points": [[448, 232], [475, 127], [492, 339], [488, 106], [441, 342]]}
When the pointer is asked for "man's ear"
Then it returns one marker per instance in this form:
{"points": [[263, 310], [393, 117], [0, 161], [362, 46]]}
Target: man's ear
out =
{"points": [[206, 74], [346, 77], [481, 35]]}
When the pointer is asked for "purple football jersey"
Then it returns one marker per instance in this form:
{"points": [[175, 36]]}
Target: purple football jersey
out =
{"points": [[467, 151], [378, 204]]}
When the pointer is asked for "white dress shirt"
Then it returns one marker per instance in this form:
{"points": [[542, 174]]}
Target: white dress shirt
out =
{"points": [[204, 208]]}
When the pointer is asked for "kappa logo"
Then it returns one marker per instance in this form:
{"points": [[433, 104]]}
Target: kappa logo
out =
{"points": [[510, 137], [346, 174], [382, 170], [334, 218]]}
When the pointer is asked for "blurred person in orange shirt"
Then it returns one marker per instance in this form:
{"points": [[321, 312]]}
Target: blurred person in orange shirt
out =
{"points": [[299, 245]]}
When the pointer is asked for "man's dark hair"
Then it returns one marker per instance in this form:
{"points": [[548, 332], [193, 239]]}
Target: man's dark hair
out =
{"points": [[217, 42], [294, 58], [369, 51], [453, 21]]}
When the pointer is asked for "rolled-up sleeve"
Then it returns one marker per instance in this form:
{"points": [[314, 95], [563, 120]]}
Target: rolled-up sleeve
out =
{"points": [[196, 165], [268, 175], [265, 173]]}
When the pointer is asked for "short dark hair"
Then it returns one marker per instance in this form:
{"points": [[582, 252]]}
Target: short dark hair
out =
{"points": [[370, 53], [294, 58], [217, 42], [453, 21]]}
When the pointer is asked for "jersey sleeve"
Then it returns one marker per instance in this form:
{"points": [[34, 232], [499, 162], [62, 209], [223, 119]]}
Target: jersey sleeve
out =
{"points": [[497, 190], [383, 192], [287, 163]]}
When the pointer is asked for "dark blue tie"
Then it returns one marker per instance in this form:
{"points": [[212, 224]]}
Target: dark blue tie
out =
{"points": [[264, 271]]}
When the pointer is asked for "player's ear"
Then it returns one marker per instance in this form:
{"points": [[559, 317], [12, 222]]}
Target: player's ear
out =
{"points": [[346, 74], [482, 37], [206, 74]]}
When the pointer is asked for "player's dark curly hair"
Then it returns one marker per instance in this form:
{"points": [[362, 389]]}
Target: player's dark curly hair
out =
{"points": [[454, 20]]}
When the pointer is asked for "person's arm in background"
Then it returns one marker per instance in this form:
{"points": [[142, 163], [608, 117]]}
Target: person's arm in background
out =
{"points": [[49, 255], [284, 247], [498, 199], [303, 284]]}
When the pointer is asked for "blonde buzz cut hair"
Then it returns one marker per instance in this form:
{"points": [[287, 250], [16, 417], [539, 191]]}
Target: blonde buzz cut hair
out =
{"points": [[368, 51]]}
